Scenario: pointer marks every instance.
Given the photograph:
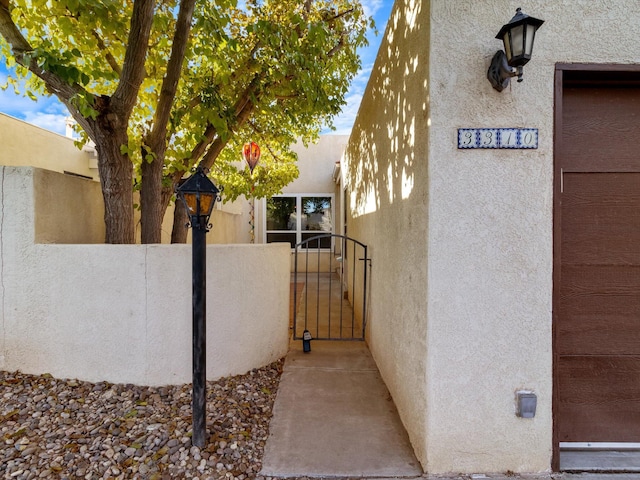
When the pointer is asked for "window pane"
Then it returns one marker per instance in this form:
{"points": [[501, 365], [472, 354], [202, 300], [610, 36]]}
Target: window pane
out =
{"points": [[282, 237], [323, 242], [316, 214], [281, 213]]}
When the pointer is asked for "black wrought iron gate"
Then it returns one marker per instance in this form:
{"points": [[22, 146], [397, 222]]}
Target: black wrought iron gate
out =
{"points": [[330, 288]]}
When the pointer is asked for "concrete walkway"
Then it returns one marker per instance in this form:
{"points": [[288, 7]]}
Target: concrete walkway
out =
{"points": [[334, 417]]}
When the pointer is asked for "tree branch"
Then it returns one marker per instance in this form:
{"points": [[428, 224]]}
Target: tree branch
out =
{"points": [[172, 76], [124, 98], [242, 111], [54, 84], [201, 147], [10, 31], [217, 146], [339, 15], [337, 47], [110, 58]]}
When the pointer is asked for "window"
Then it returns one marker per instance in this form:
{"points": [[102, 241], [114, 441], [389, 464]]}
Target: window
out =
{"points": [[285, 225]]}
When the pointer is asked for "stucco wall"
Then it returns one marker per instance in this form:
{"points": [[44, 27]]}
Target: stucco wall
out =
{"points": [[69, 209], [315, 163], [27, 145], [490, 244], [387, 183], [455, 344], [122, 313], [229, 224]]}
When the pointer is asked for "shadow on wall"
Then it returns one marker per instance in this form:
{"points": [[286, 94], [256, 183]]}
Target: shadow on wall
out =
{"points": [[387, 178], [390, 135]]}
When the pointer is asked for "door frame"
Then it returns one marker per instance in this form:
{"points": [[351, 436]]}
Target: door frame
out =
{"points": [[597, 75]]}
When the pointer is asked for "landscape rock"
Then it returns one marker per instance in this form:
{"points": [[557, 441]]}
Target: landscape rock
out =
{"points": [[66, 428]]}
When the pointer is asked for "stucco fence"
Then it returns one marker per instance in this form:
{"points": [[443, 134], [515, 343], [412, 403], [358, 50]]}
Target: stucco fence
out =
{"points": [[122, 313]]}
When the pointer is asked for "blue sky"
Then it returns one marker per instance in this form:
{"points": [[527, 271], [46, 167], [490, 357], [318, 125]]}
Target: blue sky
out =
{"points": [[50, 114]]}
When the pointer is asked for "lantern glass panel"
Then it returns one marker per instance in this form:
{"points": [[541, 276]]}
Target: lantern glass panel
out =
{"points": [[191, 202], [531, 33], [206, 203], [517, 40], [507, 44]]}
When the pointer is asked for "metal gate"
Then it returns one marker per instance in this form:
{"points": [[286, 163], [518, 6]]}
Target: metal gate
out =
{"points": [[330, 288]]}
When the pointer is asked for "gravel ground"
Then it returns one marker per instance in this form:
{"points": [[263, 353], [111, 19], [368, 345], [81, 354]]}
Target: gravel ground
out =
{"points": [[54, 428]]}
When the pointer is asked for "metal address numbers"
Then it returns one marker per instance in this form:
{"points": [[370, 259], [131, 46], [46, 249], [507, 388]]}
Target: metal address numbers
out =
{"points": [[497, 138]]}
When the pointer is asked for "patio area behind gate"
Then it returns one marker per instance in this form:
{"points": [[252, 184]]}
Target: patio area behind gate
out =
{"points": [[330, 288]]}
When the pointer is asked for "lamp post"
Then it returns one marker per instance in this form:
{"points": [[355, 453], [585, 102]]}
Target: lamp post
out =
{"points": [[198, 194], [251, 154], [517, 36]]}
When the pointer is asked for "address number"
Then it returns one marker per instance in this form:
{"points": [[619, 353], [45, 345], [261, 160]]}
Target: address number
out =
{"points": [[497, 138]]}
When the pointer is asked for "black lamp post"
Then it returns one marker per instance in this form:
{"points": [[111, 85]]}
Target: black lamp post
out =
{"points": [[198, 194], [517, 36]]}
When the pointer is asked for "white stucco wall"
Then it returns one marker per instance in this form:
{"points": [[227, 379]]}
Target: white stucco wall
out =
{"points": [[460, 314], [122, 313]]}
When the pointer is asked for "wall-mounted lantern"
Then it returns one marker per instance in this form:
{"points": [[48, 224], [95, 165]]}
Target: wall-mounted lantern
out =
{"points": [[198, 194], [517, 36]]}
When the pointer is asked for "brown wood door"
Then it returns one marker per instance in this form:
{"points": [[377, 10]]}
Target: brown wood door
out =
{"points": [[597, 262]]}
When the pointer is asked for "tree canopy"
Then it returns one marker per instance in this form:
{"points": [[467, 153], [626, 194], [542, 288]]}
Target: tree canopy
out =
{"points": [[162, 86]]}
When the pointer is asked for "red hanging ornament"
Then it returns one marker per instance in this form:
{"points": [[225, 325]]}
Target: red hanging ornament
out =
{"points": [[251, 154]]}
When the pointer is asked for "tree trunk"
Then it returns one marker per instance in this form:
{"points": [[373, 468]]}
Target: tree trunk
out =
{"points": [[116, 179], [180, 220], [152, 208]]}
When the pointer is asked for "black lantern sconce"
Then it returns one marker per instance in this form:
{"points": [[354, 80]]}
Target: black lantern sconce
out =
{"points": [[518, 36], [198, 194]]}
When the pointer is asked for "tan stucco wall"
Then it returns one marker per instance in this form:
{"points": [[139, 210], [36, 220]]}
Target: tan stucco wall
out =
{"points": [[68, 209], [315, 163], [387, 177], [455, 344], [122, 313], [24, 144], [229, 223], [490, 245]]}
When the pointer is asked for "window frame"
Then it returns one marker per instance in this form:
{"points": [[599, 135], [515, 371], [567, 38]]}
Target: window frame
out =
{"points": [[298, 206]]}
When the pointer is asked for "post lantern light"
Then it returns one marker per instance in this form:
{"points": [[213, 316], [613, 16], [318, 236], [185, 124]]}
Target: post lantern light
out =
{"points": [[251, 154], [198, 195], [517, 36]]}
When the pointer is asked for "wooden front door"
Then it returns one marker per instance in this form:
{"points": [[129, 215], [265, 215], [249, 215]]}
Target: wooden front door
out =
{"points": [[597, 257]]}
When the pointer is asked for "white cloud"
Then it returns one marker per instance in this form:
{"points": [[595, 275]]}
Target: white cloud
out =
{"points": [[46, 112], [49, 121], [344, 122], [371, 7]]}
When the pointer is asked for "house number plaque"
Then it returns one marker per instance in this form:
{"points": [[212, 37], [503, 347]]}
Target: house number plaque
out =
{"points": [[497, 138]]}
